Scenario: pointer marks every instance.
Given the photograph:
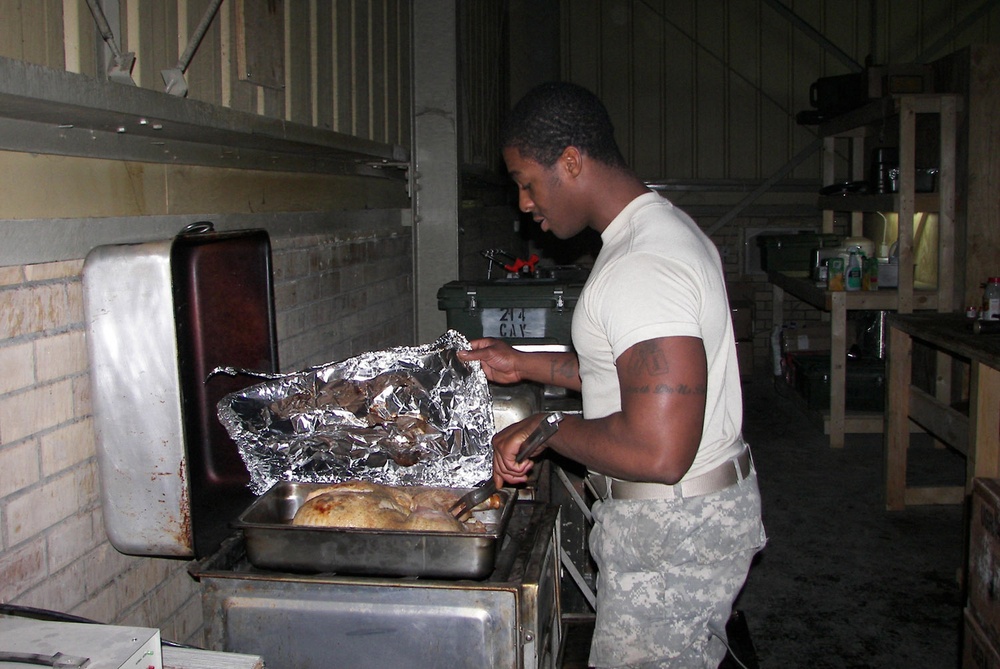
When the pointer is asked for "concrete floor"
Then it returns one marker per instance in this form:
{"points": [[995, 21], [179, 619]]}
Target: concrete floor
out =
{"points": [[843, 583]]}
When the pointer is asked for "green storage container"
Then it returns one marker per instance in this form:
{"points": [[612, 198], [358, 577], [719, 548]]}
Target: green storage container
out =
{"points": [[864, 390], [521, 310], [792, 252]]}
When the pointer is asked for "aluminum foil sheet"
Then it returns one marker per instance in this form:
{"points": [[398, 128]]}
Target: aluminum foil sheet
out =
{"points": [[403, 416]]}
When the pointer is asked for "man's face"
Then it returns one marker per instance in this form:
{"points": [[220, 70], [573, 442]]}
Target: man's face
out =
{"points": [[545, 193]]}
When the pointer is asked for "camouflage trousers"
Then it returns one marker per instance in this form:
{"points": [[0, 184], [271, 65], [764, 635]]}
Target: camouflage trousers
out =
{"points": [[668, 573]]}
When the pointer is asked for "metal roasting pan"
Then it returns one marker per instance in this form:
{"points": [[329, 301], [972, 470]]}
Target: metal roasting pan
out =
{"points": [[272, 542]]}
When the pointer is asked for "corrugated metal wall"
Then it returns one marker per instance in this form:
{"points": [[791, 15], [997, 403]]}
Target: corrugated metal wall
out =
{"points": [[483, 86], [337, 64], [710, 89]]}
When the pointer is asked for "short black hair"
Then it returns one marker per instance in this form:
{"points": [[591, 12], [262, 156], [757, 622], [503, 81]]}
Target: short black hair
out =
{"points": [[558, 114]]}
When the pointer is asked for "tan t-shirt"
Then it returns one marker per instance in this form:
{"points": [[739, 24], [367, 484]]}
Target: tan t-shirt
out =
{"points": [[658, 275]]}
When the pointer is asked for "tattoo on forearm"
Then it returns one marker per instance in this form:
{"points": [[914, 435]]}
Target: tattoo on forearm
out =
{"points": [[562, 370], [665, 389], [648, 358]]}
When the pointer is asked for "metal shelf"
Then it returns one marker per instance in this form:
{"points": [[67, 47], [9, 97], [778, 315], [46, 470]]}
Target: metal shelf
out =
{"points": [[44, 110]]}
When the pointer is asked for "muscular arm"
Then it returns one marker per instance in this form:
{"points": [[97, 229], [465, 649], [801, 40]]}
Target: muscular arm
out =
{"points": [[557, 369], [504, 364], [656, 434]]}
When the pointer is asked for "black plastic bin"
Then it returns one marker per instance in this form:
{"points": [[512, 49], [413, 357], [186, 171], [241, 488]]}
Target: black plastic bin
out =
{"points": [[864, 390], [792, 252], [526, 311]]}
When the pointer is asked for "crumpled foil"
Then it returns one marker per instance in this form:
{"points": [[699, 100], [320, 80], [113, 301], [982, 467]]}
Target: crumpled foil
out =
{"points": [[402, 416]]}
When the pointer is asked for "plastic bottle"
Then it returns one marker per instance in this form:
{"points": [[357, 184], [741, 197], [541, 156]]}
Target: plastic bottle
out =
{"points": [[991, 300], [852, 273], [862, 244], [835, 273]]}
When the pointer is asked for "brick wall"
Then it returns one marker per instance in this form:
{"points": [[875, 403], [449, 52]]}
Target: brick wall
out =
{"points": [[339, 295], [53, 552], [335, 295]]}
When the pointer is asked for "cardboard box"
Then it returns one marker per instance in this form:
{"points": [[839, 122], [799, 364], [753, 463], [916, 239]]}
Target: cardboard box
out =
{"points": [[984, 556], [742, 314], [900, 79], [977, 651], [811, 338]]}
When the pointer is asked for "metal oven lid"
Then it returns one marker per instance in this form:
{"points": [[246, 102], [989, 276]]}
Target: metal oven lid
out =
{"points": [[159, 315]]}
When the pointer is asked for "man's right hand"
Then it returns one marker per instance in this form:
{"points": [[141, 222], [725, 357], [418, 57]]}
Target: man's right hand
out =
{"points": [[497, 357]]}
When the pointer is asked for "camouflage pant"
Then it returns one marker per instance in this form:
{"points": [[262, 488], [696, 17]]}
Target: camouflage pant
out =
{"points": [[668, 572]]}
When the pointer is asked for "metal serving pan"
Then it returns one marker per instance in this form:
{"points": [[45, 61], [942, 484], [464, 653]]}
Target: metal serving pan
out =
{"points": [[272, 542]]}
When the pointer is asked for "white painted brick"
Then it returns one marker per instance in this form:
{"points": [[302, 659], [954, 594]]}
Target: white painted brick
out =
{"points": [[20, 569], [138, 581], [10, 276], [53, 270], [162, 569], [162, 606], [74, 304], [291, 264], [41, 507], [87, 485], [35, 410], [19, 467], [17, 367], [104, 565], [81, 397], [32, 309], [100, 605], [67, 446], [178, 588], [135, 616], [61, 591], [60, 356], [132, 585], [187, 624], [99, 519], [72, 538]]}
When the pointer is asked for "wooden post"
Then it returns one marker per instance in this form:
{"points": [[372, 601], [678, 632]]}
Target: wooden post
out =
{"points": [[897, 427], [984, 425]]}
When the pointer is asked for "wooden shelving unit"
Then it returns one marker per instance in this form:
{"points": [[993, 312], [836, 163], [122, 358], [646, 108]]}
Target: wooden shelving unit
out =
{"points": [[854, 127]]}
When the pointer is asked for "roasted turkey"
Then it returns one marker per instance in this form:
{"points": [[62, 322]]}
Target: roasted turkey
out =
{"points": [[362, 504]]}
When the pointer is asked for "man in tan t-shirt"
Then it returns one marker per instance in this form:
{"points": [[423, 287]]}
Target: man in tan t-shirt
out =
{"points": [[655, 361]]}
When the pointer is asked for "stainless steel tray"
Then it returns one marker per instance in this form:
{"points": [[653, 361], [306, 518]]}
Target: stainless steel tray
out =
{"points": [[272, 542]]}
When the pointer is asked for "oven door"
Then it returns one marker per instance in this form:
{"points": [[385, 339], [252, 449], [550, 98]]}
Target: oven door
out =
{"points": [[511, 619]]}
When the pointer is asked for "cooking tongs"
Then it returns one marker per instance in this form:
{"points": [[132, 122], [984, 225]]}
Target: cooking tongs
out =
{"points": [[482, 492]]}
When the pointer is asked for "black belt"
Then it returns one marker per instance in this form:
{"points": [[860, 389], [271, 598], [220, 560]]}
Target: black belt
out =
{"points": [[729, 473]]}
